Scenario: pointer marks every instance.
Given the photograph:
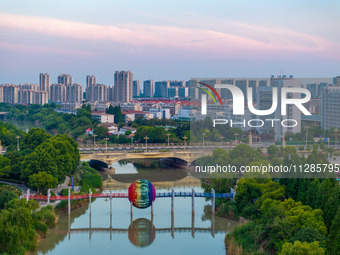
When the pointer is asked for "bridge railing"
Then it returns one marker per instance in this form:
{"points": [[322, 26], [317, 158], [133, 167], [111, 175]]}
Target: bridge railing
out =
{"points": [[125, 195]]}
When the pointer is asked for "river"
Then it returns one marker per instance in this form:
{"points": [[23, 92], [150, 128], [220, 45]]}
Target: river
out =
{"points": [[184, 233]]}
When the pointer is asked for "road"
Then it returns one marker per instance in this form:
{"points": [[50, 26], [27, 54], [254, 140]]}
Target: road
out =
{"points": [[23, 187], [160, 147]]}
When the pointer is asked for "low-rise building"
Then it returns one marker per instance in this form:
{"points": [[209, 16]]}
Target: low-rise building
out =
{"points": [[103, 117]]}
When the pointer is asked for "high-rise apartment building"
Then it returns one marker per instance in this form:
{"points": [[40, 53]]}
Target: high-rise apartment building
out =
{"points": [[263, 83], [44, 82], [110, 94], [243, 85], [225, 93], [161, 88], [336, 81], [96, 93], [27, 96], [91, 80], [172, 92], [27, 93], [10, 93], [321, 86], [149, 88], [123, 87], [183, 92], [330, 107], [58, 93], [136, 88], [312, 89], [178, 84], [29, 86], [65, 79], [253, 84], [74, 93]]}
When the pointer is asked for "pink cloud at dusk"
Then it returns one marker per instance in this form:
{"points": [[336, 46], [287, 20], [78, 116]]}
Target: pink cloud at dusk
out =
{"points": [[43, 49], [242, 40]]}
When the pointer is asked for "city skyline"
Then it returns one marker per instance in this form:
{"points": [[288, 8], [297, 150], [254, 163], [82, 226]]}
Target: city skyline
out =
{"points": [[161, 41]]}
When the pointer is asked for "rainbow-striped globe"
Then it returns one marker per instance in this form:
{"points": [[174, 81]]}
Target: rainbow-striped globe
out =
{"points": [[142, 193]]}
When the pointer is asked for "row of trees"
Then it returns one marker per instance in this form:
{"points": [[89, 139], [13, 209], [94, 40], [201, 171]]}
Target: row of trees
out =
{"points": [[286, 216], [51, 120]]}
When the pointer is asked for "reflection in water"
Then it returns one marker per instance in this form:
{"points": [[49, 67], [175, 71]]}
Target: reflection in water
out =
{"points": [[181, 232], [141, 232]]}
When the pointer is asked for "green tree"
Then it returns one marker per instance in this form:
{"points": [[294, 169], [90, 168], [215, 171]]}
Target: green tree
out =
{"points": [[308, 235], [272, 149], [101, 131], [17, 233], [118, 114], [333, 239], [35, 137], [110, 110], [322, 146], [141, 132], [302, 248], [157, 135], [123, 139], [57, 156], [5, 197], [42, 181], [120, 125], [5, 166]]}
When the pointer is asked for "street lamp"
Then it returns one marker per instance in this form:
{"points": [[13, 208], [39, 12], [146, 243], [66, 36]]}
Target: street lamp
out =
{"points": [[168, 134], [283, 141], [236, 134], [221, 137], [18, 137], [146, 142], [185, 140], [106, 139], [203, 135], [94, 140], [257, 139], [306, 134], [131, 139]]}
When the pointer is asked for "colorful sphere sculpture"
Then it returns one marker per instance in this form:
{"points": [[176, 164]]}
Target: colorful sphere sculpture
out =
{"points": [[142, 193]]}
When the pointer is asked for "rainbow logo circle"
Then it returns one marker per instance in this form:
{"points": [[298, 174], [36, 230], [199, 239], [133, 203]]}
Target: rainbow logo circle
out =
{"points": [[142, 193]]}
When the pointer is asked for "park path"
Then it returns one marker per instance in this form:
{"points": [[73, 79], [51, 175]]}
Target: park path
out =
{"points": [[23, 187]]}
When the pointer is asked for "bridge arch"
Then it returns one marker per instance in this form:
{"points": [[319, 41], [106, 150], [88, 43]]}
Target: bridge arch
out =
{"points": [[112, 157]]}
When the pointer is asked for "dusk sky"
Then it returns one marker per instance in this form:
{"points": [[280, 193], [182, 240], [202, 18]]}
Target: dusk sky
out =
{"points": [[166, 39]]}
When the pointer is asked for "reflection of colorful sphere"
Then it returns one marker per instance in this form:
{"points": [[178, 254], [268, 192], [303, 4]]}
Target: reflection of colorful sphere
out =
{"points": [[142, 193], [142, 232]]}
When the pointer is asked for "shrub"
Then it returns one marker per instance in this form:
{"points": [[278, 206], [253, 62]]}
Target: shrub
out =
{"points": [[41, 228], [64, 192], [47, 216], [92, 180], [61, 205]]}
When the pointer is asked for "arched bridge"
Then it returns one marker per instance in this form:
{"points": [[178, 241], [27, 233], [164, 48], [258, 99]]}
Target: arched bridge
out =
{"points": [[111, 157]]}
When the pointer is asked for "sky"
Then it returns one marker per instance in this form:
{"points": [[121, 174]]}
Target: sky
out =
{"points": [[168, 40]]}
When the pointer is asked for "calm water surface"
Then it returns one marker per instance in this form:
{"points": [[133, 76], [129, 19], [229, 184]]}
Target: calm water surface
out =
{"points": [[140, 234]]}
